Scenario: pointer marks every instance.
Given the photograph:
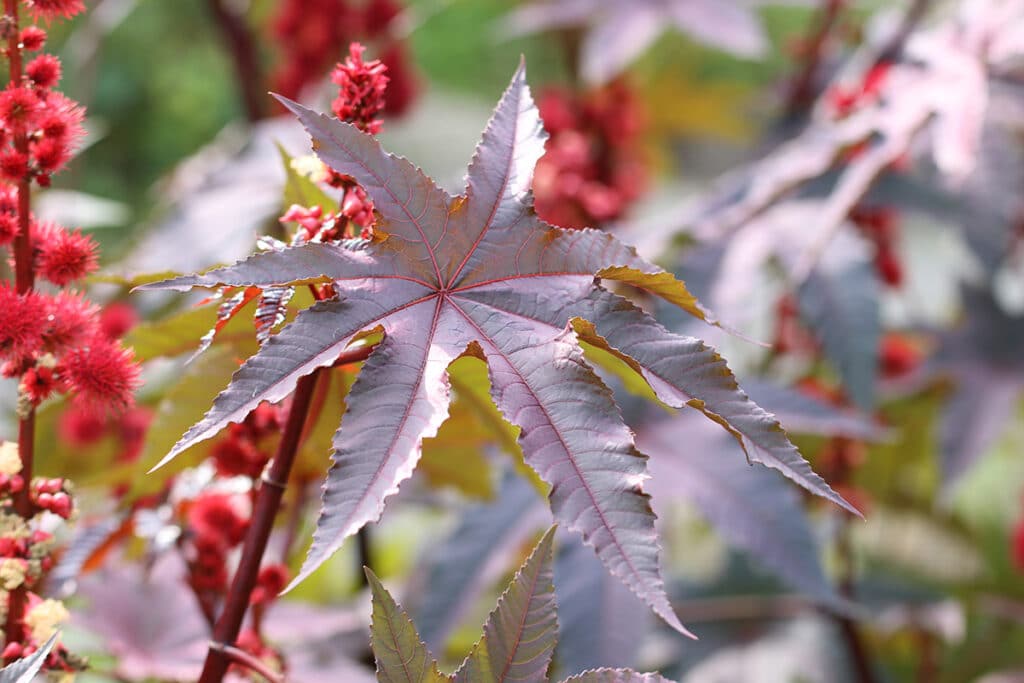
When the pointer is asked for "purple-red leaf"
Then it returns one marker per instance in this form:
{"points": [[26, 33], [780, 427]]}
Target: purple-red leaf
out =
{"points": [[480, 274]]}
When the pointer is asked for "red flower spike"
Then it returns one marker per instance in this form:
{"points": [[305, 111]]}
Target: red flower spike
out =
{"points": [[102, 374], [44, 71], [22, 320], [32, 38], [65, 256], [52, 9], [361, 85]]}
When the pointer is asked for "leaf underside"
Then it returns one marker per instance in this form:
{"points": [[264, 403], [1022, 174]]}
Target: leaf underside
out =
{"points": [[481, 274]]}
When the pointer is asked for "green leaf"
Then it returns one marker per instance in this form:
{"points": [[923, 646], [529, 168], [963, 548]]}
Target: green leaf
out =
{"points": [[455, 457], [181, 406], [180, 333], [520, 634], [400, 654]]}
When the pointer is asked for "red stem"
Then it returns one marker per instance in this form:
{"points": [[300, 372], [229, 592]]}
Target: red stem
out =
{"points": [[268, 502], [24, 279], [245, 57], [802, 93]]}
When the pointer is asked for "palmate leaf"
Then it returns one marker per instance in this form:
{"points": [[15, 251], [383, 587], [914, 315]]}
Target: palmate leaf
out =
{"points": [[480, 274]]}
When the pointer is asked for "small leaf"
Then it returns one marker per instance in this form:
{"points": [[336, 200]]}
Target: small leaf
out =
{"points": [[520, 634], [616, 676], [25, 670], [840, 302], [299, 189], [401, 656]]}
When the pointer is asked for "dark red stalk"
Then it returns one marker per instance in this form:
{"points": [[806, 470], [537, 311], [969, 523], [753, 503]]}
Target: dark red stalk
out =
{"points": [[802, 92], [24, 279], [268, 502], [245, 57]]}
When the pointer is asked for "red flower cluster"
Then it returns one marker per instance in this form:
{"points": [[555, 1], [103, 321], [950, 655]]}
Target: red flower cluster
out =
{"points": [[361, 90], [593, 168], [881, 226], [309, 33], [240, 453], [40, 127], [217, 522]]}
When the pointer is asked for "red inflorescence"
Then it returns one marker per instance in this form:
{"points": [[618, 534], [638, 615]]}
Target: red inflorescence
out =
{"points": [[898, 355], [32, 38], [70, 317], [361, 90], [593, 168], [842, 101]]}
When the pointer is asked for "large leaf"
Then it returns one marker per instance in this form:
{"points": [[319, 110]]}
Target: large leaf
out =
{"points": [[480, 274], [752, 510], [401, 655], [520, 634]]}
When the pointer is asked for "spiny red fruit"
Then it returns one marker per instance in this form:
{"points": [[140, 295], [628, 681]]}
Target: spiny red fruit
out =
{"points": [[64, 256], [22, 320], [44, 71], [218, 516], [32, 38], [52, 9], [70, 317], [101, 373], [18, 107], [38, 383], [361, 90], [269, 583], [13, 165], [117, 319], [79, 426]]}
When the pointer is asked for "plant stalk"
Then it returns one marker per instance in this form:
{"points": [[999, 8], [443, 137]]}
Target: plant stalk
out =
{"points": [[24, 280], [245, 57], [268, 502]]}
